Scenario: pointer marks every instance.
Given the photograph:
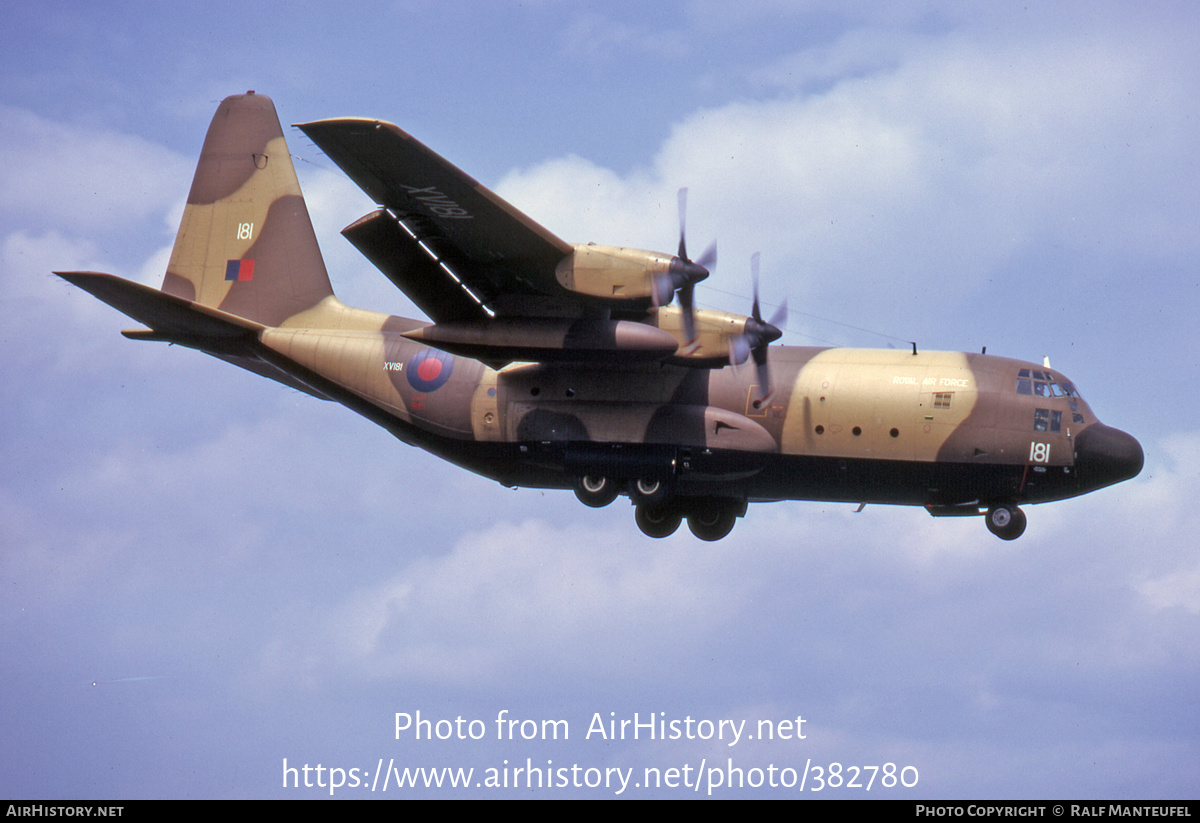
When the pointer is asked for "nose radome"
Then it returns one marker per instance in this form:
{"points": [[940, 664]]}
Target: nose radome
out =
{"points": [[1104, 455]]}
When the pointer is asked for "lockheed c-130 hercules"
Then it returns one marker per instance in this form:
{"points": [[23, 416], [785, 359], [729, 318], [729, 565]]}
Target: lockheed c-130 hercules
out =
{"points": [[553, 365]]}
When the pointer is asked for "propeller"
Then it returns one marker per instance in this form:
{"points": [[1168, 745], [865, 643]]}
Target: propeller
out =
{"points": [[757, 336], [683, 274]]}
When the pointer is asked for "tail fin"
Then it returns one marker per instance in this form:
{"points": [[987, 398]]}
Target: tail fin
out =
{"points": [[246, 245]]}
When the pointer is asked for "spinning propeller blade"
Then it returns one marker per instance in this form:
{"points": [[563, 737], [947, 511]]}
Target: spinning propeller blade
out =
{"points": [[757, 336], [683, 274]]}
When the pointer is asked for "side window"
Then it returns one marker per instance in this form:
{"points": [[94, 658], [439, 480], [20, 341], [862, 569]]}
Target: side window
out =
{"points": [[1046, 420]]}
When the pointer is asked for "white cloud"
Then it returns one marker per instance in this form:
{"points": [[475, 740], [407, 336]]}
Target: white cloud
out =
{"points": [[519, 595], [44, 313], [1166, 519], [600, 39], [92, 178], [933, 171], [1177, 590]]}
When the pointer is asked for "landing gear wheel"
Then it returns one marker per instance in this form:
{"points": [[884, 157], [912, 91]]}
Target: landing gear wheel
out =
{"points": [[712, 523], [657, 521], [595, 490], [649, 491], [1006, 522]]}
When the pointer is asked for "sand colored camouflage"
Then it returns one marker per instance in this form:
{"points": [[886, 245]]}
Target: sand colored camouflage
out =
{"points": [[559, 366]]}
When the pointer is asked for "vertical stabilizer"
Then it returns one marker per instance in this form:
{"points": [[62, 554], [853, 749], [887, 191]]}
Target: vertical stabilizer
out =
{"points": [[246, 244]]}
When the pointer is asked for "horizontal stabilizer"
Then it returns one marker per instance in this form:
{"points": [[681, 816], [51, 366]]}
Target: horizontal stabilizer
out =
{"points": [[171, 318]]}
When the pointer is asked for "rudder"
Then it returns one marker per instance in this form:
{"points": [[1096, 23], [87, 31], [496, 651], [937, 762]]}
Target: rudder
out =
{"points": [[246, 244]]}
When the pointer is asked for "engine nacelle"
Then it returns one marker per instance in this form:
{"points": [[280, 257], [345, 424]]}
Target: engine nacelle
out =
{"points": [[714, 330], [614, 273]]}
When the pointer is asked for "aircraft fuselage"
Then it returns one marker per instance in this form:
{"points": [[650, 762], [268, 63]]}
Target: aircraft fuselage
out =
{"points": [[938, 429]]}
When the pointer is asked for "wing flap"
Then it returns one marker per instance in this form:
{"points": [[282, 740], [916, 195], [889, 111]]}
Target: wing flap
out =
{"points": [[437, 291]]}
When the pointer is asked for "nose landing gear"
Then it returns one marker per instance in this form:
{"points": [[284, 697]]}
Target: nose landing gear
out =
{"points": [[1006, 521]]}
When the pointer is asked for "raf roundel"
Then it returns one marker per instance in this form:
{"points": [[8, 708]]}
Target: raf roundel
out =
{"points": [[429, 369]]}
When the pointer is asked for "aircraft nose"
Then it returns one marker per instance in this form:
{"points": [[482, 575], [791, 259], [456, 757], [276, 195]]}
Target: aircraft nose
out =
{"points": [[1104, 455]]}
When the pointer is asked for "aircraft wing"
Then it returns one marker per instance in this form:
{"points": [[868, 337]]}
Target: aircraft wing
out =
{"points": [[454, 246]]}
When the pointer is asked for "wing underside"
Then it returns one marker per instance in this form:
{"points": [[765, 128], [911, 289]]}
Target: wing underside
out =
{"points": [[457, 249]]}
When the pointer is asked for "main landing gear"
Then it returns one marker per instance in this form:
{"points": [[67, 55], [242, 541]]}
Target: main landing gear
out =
{"points": [[657, 521], [1006, 522], [712, 520], [596, 491], [708, 519], [658, 512]]}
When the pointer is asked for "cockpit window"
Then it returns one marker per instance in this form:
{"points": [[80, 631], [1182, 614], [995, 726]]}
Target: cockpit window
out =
{"points": [[1043, 384]]}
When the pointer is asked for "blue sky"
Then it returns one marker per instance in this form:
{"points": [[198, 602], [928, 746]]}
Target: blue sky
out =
{"points": [[205, 573]]}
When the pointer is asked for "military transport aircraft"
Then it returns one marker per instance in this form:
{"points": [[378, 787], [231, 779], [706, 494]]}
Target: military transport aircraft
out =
{"points": [[553, 365]]}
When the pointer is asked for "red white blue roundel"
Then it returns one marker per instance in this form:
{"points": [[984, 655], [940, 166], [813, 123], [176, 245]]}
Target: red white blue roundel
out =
{"points": [[429, 369]]}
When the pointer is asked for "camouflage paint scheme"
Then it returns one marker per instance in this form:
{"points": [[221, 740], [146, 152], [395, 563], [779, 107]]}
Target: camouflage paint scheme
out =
{"points": [[550, 365]]}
